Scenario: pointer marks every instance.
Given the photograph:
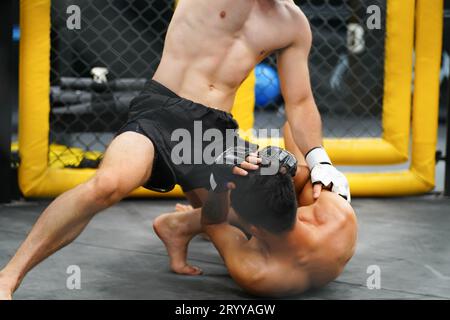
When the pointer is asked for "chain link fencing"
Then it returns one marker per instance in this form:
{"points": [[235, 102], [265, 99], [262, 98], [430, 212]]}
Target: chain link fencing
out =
{"points": [[127, 38]]}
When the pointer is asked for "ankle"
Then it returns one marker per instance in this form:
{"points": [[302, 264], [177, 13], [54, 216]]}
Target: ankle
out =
{"points": [[8, 282], [181, 224], [177, 222]]}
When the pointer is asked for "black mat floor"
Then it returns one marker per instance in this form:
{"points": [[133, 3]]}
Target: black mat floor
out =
{"points": [[120, 257]]}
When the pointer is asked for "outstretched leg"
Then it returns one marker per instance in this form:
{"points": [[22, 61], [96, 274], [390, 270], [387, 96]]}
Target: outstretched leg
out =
{"points": [[127, 164]]}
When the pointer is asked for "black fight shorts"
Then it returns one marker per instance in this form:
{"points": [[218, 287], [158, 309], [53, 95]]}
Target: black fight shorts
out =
{"points": [[158, 113]]}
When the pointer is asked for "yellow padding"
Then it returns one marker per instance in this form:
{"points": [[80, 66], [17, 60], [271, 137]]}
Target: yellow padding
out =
{"points": [[34, 96], [37, 179], [368, 151], [387, 184], [429, 29], [61, 156], [40, 174], [243, 108], [393, 146], [398, 76], [15, 146], [420, 178], [66, 179]]}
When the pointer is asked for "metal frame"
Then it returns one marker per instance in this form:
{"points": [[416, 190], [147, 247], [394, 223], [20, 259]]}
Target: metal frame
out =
{"points": [[6, 48], [447, 151]]}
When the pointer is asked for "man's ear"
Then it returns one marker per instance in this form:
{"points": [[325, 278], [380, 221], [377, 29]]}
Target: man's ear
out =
{"points": [[254, 231]]}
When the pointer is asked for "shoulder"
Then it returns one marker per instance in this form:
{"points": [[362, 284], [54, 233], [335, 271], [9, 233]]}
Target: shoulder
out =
{"points": [[251, 273], [297, 29], [296, 13], [298, 25], [332, 203], [296, 17], [273, 278]]}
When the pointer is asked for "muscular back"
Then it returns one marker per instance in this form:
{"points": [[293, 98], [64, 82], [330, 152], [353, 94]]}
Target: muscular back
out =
{"points": [[211, 46]]}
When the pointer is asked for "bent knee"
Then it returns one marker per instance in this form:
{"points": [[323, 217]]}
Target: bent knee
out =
{"points": [[106, 188]]}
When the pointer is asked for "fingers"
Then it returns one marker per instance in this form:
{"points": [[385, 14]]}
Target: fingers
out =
{"points": [[253, 158], [252, 163], [239, 171], [317, 189], [231, 186], [248, 166], [243, 167]]}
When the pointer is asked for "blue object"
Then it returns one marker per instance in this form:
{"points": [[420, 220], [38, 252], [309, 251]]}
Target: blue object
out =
{"points": [[267, 88], [16, 33]]}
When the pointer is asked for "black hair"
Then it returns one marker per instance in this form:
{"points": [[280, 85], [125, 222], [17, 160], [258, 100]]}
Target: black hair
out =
{"points": [[266, 201]]}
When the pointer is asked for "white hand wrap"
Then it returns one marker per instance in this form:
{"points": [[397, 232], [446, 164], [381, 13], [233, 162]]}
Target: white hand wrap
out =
{"points": [[322, 171]]}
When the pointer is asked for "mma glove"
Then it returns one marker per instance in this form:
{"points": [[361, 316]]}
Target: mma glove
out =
{"points": [[322, 171], [222, 169], [277, 161]]}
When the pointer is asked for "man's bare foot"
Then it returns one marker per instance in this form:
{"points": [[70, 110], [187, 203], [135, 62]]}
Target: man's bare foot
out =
{"points": [[183, 207], [5, 289], [170, 228], [5, 295]]}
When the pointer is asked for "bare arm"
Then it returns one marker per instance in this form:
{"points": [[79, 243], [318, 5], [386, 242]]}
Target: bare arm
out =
{"points": [[216, 208], [302, 113], [240, 260], [301, 110], [229, 241]]}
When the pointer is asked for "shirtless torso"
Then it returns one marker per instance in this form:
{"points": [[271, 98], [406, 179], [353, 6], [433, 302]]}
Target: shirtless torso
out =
{"points": [[310, 255], [313, 253], [211, 46]]}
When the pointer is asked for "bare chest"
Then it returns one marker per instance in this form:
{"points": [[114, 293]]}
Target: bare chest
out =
{"points": [[262, 26]]}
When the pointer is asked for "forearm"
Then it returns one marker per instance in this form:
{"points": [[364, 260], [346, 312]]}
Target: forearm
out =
{"points": [[306, 126], [215, 210]]}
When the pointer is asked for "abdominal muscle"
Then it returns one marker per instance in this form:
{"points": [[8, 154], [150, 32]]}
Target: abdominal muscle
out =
{"points": [[194, 80], [210, 49]]}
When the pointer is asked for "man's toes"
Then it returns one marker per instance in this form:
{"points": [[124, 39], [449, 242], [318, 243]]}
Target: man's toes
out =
{"points": [[193, 271], [182, 207], [187, 270]]}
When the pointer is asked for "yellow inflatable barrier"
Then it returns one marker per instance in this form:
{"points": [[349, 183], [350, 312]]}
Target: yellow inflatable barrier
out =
{"points": [[420, 176], [408, 22]]}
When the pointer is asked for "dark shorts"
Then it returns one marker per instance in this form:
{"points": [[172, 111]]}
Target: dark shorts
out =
{"points": [[156, 113]]}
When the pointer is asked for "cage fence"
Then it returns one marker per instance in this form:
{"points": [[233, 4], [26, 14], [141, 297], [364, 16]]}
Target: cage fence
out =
{"points": [[122, 41]]}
